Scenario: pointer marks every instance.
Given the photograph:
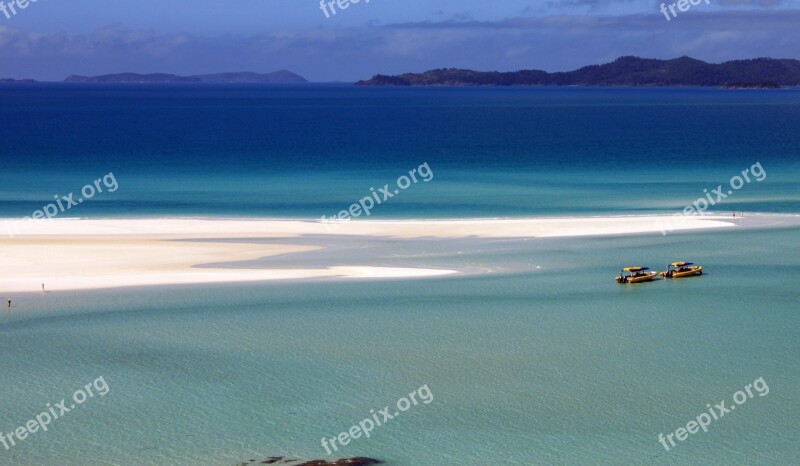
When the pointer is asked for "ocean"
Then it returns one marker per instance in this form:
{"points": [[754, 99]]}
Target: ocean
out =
{"points": [[533, 357], [304, 151]]}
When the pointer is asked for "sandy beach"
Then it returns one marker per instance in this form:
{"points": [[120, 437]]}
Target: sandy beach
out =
{"points": [[78, 254]]}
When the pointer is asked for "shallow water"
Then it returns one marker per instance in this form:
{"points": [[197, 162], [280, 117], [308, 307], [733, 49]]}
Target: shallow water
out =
{"points": [[553, 363]]}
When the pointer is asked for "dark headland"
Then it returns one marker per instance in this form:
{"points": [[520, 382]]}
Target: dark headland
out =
{"points": [[759, 73], [277, 77]]}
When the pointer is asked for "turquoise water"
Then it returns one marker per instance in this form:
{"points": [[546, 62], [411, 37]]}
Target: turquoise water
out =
{"points": [[534, 356], [550, 364]]}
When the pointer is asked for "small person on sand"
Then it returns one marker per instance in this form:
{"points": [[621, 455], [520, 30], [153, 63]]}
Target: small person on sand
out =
{"points": [[9, 304]]}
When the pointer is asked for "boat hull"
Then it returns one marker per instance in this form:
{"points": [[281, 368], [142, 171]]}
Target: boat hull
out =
{"points": [[692, 272], [648, 277]]}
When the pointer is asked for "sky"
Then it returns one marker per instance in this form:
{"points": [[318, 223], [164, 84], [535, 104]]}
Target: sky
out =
{"points": [[51, 39]]}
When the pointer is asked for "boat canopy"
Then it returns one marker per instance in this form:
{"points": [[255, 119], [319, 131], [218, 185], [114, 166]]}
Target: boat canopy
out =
{"points": [[635, 269], [681, 264]]}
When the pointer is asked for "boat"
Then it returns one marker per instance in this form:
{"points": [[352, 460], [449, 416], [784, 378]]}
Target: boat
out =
{"points": [[682, 270], [635, 275]]}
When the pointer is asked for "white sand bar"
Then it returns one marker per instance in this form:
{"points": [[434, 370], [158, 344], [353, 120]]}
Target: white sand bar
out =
{"points": [[72, 254]]}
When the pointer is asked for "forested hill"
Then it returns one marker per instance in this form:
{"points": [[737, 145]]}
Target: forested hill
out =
{"points": [[624, 71]]}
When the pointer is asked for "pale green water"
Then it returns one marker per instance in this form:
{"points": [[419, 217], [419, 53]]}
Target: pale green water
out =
{"points": [[527, 365]]}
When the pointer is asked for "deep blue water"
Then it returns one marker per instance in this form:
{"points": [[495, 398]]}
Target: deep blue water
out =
{"points": [[306, 151]]}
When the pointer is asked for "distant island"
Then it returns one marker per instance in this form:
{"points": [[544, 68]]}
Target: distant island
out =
{"points": [[759, 73], [16, 81], [750, 86], [277, 77]]}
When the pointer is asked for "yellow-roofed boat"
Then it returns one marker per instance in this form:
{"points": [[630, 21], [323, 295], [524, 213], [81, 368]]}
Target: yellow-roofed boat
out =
{"points": [[682, 270], [635, 275]]}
